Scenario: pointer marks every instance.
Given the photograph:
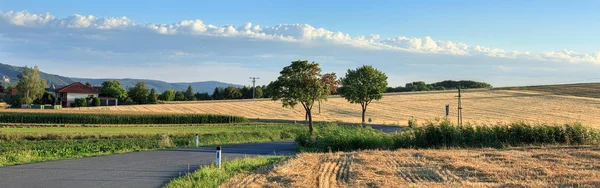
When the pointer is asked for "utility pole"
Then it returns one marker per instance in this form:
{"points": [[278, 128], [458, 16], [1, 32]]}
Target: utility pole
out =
{"points": [[459, 107], [253, 85]]}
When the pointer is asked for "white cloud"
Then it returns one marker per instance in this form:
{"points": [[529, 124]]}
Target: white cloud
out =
{"points": [[80, 39]]}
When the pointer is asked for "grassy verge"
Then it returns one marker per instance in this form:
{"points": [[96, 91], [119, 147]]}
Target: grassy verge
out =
{"points": [[212, 176], [74, 118], [25, 145], [445, 134]]}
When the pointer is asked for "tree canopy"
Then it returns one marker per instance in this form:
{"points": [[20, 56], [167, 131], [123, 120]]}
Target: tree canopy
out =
{"points": [[139, 93], [300, 83], [114, 89], [152, 97], [30, 85], [362, 86], [168, 95], [189, 93]]}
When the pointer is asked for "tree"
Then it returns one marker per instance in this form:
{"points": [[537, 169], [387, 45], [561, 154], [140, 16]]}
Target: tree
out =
{"points": [[363, 85], [179, 96], [331, 82], [139, 93], [47, 98], [89, 84], [233, 92], [113, 88], [30, 86], [299, 83], [259, 92], [218, 93], [168, 95], [189, 93], [202, 96], [96, 101], [152, 97]]}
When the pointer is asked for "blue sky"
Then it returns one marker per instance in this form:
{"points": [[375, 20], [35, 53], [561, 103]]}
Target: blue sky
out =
{"points": [[546, 36]]}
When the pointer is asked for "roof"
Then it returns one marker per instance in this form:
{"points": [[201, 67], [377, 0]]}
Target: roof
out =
{"points": [[77, 87]]}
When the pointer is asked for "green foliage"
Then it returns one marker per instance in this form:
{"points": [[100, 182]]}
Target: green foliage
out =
{"points": [[96, 101], [362, 86], [202, 96], [189, 93], [30, 85], [412, 122], [233, 92], [300, 83], [152, 97], [443, 85], [81, 102], [218, 93], [47, 98], [64, 118], [179, 96], [213, 176], [113, 88], [168, 95], [139, 93], [445, 134]]}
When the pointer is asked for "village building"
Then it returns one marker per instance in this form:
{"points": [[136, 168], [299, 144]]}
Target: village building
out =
{"points": [[66, 96]]}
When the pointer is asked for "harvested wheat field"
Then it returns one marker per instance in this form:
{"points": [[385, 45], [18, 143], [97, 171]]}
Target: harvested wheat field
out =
{"points": [[480, 106], [518, 167]]}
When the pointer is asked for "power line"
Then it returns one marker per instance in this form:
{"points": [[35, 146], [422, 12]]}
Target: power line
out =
{"points": [[254, 85]]}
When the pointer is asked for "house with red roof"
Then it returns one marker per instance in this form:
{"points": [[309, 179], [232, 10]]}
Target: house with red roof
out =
{"points": [[66, 95]]}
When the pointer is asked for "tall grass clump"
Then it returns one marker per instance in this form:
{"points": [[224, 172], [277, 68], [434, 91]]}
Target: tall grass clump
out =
{"points": [[67, 118], [445, 134], [212, 176]]}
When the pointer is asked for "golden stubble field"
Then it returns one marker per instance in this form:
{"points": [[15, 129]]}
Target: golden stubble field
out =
{"points": [[480, 106], [513, 167]]}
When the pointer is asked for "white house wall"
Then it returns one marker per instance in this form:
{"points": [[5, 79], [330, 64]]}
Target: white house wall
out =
{"points": [[72, 96]]}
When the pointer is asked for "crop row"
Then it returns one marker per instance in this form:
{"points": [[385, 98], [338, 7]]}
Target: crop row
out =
{"points": [[65, 118]]}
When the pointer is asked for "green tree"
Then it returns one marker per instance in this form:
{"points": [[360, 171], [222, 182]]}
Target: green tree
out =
{"points": [[259, 92], [152, 97], [299, 83], [179, 96], [233, 92], [189, 93], [89, 84], [30, 85], [81, 102], [139, 93], [96, 101], [168, 95], [113, 88], [202, 96], [218, 93], [363, 85]]}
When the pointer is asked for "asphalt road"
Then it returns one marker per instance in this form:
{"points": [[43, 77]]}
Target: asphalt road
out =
{"points": [[138, 169]]}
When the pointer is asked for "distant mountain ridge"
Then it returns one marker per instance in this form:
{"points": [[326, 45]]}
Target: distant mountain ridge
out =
{"points": [[206, 86]]}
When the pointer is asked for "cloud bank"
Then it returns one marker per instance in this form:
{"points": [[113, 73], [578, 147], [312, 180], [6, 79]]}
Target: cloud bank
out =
{"points": [[103, 43]]}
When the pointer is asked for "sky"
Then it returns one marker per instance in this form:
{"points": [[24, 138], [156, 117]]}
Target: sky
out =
{"points": [[505, 43]]}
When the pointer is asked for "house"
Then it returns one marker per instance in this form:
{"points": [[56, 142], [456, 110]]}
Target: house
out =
{"points": [[5, 79], [66, 96]]}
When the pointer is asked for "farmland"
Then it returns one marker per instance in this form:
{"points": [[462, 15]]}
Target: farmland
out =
{"points": [[480, 106], [512, 167]]}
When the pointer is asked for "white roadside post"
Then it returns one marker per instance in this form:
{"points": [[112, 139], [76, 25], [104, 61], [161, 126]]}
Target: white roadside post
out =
{"points": [[219, 156], [197, 140]]}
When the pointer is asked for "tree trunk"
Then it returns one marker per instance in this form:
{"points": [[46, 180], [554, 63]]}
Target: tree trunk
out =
{"points": [[306, 116], [363, 115], [310, 122]]}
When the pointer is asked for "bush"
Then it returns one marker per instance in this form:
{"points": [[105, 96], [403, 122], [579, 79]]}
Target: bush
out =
{"points": [[96, 102], [445, 134], [81, 102], [65, 118]]}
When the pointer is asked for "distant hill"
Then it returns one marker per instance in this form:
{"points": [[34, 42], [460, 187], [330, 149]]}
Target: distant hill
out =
{"points": [[207, 86]]}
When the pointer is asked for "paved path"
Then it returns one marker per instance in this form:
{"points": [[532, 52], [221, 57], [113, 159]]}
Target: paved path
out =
{"points": [[138, 169]]}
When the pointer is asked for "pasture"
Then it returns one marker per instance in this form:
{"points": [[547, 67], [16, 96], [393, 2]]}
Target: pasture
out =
{"points": [[480, 106]]}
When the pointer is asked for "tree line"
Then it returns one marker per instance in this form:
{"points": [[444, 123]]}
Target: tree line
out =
{"points": [[443, 85]]}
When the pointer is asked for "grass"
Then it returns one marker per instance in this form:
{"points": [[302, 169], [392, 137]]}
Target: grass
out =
{"points": [[512, 167], [212, 176], [36, 144], [481, 106], [444, 134]]}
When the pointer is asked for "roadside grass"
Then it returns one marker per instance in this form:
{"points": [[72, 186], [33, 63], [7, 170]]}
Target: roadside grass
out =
{"points": [[26, 145], [444, 134], [212, 176]]}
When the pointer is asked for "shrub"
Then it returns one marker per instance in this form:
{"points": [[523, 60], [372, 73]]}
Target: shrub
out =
{"points": [[81, 102], [445, 134], [96, 101]]}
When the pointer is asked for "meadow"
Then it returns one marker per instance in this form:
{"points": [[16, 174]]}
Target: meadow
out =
{"points": [[21, 144], [479, 106]]}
